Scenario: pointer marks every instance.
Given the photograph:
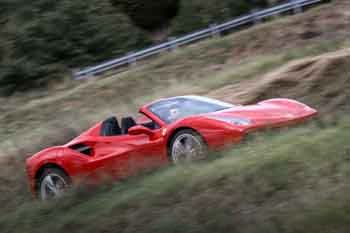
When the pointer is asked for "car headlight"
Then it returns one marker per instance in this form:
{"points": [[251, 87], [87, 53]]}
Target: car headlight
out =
{"points": [[232, 120]]}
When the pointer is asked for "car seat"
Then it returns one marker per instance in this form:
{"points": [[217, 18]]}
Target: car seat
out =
{"points": [[127, 123], [110, 127]]}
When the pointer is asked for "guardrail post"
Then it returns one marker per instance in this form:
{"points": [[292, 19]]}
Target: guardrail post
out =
{"points": [[173, 46], [275, 15], [214, 30], [255, 14], [131, 59], [297, 8]]}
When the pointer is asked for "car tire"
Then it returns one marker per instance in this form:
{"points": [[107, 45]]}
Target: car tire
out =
{"points": [[187, 146], [53, 184]]}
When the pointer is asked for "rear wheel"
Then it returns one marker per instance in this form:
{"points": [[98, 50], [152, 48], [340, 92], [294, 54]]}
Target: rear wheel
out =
{"points": [[53, 184], [187, 146]]}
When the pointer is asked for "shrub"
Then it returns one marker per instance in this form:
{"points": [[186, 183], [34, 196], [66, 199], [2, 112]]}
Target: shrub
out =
{"points": [[148, 14], [47, 38], [78, 33], [198, 14]]}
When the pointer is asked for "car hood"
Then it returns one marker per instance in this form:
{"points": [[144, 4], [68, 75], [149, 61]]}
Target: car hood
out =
{"points": [[265, 114]]}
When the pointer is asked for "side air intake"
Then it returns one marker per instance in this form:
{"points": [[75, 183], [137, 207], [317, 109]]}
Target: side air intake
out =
{"points": [[82, 149]]}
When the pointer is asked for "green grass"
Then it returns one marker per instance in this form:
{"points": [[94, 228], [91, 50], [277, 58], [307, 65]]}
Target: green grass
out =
{"points": [[292, 180]]}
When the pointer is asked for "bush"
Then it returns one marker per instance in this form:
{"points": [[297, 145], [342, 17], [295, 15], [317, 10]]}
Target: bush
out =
{"points": [[47, 38], [23, 74], [77, 32], [198, 14], [42, 40], [149, 14]]}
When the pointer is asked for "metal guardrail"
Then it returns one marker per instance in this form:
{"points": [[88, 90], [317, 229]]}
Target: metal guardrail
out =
{"points": [[213, 30]]}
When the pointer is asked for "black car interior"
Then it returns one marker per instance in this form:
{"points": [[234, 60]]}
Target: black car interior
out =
{"points": [[110, 127], [127, 123]]}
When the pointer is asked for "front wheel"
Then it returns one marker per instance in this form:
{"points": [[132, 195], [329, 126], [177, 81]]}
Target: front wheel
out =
{"points": [[187, 146], [53, 184]]}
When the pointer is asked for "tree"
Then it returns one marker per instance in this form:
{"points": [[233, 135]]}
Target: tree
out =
{"points": [[149, 14], [47, 40], [198, 14]]}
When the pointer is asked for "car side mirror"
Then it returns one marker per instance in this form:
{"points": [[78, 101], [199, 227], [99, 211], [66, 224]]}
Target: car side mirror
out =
{"points": [[139, 129]]}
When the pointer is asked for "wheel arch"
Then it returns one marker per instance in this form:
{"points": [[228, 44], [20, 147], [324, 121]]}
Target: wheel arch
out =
{"points": [[174, 132], [42, 169]]}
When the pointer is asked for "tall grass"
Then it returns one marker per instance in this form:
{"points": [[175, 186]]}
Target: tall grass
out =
{"points": [[292, 180]]}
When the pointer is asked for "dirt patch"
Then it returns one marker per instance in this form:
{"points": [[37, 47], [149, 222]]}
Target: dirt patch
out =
{"points": [[328, 22], [322, 81]]}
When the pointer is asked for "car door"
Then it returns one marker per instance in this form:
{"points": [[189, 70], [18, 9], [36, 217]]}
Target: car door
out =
{"points": [[147, 153], [121, 156], [103, 159], [110, 158]]}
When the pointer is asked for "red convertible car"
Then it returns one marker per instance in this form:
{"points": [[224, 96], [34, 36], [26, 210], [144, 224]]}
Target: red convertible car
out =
{"points": [[174, 130]]}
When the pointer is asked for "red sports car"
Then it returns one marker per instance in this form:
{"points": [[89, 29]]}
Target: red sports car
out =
{"points": [[176, 130]]}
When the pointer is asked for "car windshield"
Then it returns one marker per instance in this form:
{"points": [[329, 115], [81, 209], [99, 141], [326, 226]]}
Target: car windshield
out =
{"points": [[172, 109]]}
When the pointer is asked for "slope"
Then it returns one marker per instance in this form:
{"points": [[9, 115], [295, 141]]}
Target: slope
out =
{"points": [[285, 63]]}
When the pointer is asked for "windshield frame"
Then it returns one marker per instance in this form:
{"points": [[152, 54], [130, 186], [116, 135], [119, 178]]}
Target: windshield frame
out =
{"points": [[176, 100]]}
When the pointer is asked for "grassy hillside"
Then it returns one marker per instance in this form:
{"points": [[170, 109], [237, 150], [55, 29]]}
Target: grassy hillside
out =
{"points": [[289, 181], [293, 180]]}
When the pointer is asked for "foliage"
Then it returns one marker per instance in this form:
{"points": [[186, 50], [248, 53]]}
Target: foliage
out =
{"points": [[43, 40], [149, 14], [47, 38], [197, 14]]}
